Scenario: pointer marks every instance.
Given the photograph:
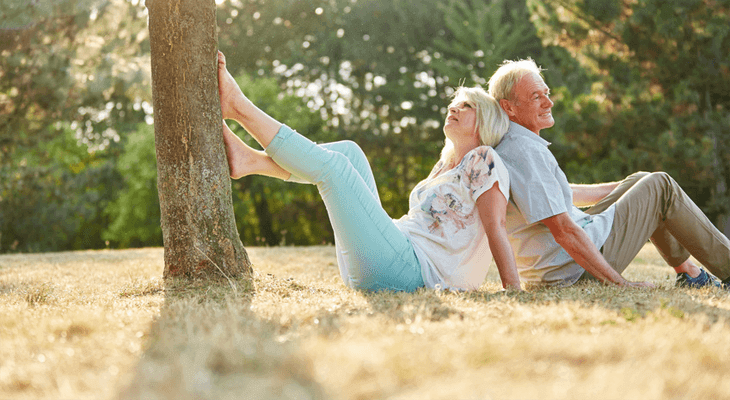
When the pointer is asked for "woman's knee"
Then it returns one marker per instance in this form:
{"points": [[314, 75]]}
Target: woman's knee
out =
{"points": [[352, 150]]}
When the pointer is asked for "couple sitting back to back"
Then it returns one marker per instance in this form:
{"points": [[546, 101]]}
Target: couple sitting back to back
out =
{"points": [[495, 188]]}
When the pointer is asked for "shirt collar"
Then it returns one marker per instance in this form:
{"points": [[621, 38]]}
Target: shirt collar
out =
{"points": [[519, 130]]}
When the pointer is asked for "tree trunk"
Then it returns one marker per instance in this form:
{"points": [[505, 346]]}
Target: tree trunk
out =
{"points": [[198, 227]]}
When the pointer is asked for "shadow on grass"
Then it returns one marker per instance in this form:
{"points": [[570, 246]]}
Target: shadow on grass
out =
{"points": [[424, 304], [208, 344], [626, 302]]}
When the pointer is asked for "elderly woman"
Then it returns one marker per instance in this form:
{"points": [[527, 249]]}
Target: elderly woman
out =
{"points": [[456, 220]]}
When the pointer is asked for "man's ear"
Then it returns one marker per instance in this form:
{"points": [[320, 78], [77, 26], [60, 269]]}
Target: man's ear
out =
{"points": [[507, 107]]}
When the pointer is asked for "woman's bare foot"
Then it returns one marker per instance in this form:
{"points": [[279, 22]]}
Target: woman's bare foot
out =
{"points": [[243, 160], [241, 157], [228, 89]]}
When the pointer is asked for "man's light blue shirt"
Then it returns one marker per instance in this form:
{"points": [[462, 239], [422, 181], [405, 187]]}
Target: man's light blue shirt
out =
{"points": [[540, 190]]}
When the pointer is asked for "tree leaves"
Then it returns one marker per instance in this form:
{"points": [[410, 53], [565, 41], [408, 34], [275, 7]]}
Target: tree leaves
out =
{"points": [[664, 69]]}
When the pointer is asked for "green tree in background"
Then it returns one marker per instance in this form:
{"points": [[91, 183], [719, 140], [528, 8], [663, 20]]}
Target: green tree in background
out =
{"points": [[72, 78], [484, 34], [135, 212], [367, 64], [377, 72], [58, 205], [662, 96], [372, 69], [638, 85]]}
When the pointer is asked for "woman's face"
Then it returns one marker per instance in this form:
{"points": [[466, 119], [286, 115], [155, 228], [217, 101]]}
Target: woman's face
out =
{"points": [[461, 119]]}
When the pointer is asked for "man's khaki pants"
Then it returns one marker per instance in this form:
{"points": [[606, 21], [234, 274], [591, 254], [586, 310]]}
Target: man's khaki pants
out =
{"points": [[653, 206]]}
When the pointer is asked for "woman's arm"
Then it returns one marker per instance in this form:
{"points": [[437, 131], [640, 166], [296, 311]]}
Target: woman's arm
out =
{"points": [[492, 206]]}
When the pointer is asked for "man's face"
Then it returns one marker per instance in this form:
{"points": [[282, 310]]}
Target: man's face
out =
{"points": [[531, 105]]}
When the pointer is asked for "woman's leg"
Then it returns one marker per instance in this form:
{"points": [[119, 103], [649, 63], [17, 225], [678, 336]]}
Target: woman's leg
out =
{"points": [[357, 158], [243, 160], [375, 254], [236, 106]]}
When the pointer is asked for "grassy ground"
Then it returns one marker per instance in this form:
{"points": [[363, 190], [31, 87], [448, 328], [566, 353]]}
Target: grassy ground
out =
{"points": [[104, 325]]}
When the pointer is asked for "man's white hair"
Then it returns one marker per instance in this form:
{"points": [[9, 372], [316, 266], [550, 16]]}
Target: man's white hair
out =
{"points": [[508, 74]]}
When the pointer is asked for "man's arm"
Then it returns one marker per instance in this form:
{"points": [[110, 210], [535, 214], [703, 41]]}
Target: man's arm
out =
{"points": [[588, 195], [577, 243]]}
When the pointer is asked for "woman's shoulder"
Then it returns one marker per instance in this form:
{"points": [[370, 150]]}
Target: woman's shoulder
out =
{"points": [[486, 159], [484, 149], [481, 154]]}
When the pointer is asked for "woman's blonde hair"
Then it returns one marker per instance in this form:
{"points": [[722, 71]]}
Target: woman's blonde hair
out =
{"points": [[491, 121]]}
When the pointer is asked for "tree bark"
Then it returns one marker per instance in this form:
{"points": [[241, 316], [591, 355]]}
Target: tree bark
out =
{"points": [[198, 226]]}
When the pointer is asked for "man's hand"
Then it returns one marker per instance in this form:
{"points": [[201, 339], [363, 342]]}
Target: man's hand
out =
{"points": [[579, 246], [641, 285]]}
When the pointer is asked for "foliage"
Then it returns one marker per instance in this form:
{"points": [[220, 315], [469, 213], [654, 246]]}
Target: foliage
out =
{"points": [[662, 94], [72, 84], [135, 212], [76, 61], [54, 200], [637, 85], [484, 34], [363, 66]]}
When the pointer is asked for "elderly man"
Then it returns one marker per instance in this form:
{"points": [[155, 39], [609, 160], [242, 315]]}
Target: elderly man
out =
{"points": [[556, 243]]}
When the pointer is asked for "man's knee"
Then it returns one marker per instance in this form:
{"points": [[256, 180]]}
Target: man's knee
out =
{"points": [[661, 177], [662, 182], [636, 176]]}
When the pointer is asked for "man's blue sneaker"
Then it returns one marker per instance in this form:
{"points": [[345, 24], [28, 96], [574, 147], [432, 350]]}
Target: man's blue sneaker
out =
{"points": [[702, 280], [725, 284]]}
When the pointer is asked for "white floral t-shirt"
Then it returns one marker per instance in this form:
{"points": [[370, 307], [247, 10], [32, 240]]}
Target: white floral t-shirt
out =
{"points": [[443, 223]]}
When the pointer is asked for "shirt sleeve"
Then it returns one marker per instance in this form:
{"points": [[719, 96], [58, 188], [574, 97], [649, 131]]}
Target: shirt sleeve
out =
{"points": [[535, 186], [485, 169]]}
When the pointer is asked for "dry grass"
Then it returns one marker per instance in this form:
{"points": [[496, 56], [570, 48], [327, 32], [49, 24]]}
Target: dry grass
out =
{"points": [[104, 325]]}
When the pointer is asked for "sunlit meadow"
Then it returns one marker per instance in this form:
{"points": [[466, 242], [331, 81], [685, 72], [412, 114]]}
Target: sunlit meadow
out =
{"points": [[104, 325]]}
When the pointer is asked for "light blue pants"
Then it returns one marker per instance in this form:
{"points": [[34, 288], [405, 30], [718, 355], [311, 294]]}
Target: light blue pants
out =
{"points": [[372, 253]]}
